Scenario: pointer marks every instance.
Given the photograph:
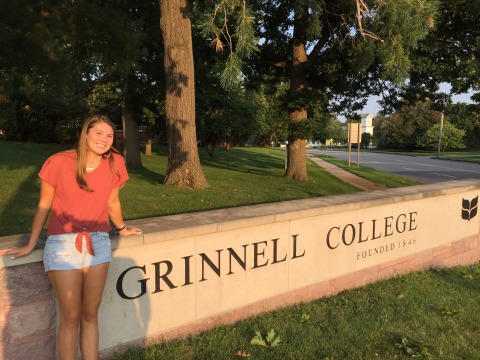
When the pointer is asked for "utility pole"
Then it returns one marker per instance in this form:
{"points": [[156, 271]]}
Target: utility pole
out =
{"points": [[440, 136]]}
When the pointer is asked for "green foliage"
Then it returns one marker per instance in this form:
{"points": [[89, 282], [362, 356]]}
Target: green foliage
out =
{"points": [[105, 97], [467, 118], [449, 54], [347, 62], [229, 121], [272, 339], [55, 54], [231, 75], [400, 25], [452, 138], [67, 133], [314, 28], [304, 129], [329, 127], [403, 128], [366, 140], [41, 88], [246, 43], [271, 118], [337, 131], [230, 23]]}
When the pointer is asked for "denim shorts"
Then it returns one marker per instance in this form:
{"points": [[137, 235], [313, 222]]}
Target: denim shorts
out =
{"points": [[60, 252]]}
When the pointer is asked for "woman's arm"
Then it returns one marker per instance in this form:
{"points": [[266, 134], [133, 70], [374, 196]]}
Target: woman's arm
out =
{"points": [[115, 214], [43, 208]]}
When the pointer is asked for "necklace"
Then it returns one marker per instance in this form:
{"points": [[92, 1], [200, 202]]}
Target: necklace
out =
{"points": [[91, 164], [94, 161]]}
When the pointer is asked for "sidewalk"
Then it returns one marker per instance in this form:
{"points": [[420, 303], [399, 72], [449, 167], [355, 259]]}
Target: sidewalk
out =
{"points": [[345, 175]]}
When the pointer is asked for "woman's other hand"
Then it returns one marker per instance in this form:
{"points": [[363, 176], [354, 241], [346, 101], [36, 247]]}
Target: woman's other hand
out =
{"points": [[130, 230], [17, 252]]}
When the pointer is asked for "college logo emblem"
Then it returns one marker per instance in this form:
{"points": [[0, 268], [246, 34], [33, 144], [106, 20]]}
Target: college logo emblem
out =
{"points": [[469, 208]]}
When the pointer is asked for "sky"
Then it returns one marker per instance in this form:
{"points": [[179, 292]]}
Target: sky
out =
{"points": [[373, 108]]}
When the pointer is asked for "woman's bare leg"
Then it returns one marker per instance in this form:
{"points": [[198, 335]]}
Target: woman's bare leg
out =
{"points": [[94, 279], [67, 285]]}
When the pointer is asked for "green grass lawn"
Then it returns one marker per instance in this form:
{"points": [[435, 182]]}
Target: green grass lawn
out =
{"points": [[464, 156], [423, 315]]}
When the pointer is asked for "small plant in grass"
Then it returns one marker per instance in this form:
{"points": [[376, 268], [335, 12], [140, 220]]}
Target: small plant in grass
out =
{"points": [[305, 318], [413, 348], [448, 312], [272, 340]]}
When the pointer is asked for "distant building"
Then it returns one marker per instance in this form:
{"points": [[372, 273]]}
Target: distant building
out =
{"points": [[367, 124]]}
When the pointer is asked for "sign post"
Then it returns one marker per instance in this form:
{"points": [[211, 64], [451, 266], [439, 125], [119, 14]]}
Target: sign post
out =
{"points": [[440, 136], [355, 137]]}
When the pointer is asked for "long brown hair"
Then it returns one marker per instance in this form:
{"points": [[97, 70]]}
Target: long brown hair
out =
{"points": [[81, 149]]}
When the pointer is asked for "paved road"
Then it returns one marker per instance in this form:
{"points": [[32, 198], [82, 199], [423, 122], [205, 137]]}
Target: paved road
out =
{"points": [[422, 168]]}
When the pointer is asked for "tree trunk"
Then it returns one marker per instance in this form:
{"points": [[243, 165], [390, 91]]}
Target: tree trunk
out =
{"points": [[148, 142], [131, 147], [297, 148], [131, 109], [183, 167], [297, 153], [210, 152]]}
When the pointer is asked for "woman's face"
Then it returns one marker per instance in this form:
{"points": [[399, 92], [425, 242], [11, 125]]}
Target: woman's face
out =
{"points": [[100, 138]]}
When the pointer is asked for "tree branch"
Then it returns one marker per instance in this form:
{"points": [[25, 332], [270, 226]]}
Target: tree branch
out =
{"points": [[362, 9]]}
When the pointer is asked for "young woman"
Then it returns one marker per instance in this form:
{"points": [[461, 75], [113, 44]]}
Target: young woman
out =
{"points": [[81, 188]]}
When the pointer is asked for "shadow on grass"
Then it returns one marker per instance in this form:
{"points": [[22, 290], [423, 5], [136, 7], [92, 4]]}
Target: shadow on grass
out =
{"points": [[22, 161], [147, 175], [242, 160], [468, 280]]}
